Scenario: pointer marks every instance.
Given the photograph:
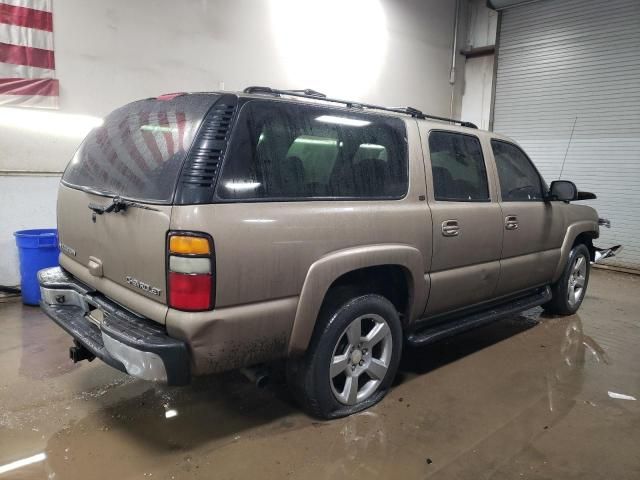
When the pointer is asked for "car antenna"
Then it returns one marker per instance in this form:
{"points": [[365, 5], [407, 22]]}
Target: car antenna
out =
{"points": [[568, 145]]}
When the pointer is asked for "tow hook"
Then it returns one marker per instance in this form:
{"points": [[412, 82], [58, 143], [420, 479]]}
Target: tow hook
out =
{"points": [[78, 352]]}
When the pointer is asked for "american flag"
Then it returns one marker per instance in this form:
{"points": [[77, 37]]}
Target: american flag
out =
{"points": [[27, 64]]}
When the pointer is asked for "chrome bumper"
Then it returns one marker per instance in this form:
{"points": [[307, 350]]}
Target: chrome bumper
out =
{"points": [[602, 253], [132, 344]]}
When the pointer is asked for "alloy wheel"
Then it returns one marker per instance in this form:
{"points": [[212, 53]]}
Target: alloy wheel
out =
{"points": [[360, 359], [577, 280]]}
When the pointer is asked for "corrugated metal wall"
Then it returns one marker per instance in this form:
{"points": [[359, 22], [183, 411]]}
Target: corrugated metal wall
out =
{"points": [[568, 65]]}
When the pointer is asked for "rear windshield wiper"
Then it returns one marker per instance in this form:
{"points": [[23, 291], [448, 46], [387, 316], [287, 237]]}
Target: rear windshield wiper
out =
{"points": [[118, 205]]}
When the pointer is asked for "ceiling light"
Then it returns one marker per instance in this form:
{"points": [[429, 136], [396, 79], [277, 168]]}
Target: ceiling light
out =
{"points": [[316, 141], [351, 122], [242, 185]]}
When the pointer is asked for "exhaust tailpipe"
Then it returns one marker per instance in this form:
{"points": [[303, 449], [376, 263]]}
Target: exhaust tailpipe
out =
{"points": [[257, 375]]}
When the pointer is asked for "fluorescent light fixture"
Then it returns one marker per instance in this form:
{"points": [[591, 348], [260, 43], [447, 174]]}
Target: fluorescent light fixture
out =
{"points": [[350, 122], [171, 413], [242, 185], [22, 463], [258, 220], [158, 128], [372, 146], [315, 141], [56, 124]]}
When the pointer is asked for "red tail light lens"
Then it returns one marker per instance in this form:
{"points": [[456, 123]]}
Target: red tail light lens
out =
{"points": [[190, 264], [190, 292]]}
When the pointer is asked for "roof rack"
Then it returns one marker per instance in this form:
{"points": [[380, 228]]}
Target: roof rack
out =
{"points": [[308, 93]]}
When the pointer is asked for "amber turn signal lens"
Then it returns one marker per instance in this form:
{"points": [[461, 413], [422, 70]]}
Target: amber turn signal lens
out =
{"points": [[189, 245]]}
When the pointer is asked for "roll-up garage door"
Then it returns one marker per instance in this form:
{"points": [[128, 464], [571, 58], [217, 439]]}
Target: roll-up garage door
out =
{"points": [[568, 85]]}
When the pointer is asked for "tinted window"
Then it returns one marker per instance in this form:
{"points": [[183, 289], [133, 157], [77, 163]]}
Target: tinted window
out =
{"points": [[519, 180], [457, 164], [139, 150], [283, 150]]}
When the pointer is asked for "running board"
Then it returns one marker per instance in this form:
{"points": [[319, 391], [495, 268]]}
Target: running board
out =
{"points": [[429, 334]]}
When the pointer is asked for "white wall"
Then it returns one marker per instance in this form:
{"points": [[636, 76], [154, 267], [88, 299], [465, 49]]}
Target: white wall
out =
{"points": [[394, 52], [26, 202]]}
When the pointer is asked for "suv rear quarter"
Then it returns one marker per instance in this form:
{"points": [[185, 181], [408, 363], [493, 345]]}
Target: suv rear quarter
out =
{"points": [[281, 244], [281, 234]]}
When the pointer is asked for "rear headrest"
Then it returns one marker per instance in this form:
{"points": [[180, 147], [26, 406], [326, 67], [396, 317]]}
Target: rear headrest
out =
{"points": [[370, 175]]}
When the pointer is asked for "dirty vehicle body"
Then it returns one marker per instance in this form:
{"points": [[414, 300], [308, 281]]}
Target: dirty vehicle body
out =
{"points": [[212, 231]]}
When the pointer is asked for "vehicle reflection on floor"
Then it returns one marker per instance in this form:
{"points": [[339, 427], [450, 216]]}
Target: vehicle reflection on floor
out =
{"points": [[224, 412]]}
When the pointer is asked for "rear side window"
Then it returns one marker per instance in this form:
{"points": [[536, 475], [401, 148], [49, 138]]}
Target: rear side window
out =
{"points": [[287, 151], [139, 150], [457, 164], [519, 180]]}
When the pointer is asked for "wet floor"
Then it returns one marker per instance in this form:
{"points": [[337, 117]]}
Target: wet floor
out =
{"points": [[527, 397]]}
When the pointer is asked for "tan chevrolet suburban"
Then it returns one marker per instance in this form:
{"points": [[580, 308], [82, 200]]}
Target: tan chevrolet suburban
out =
{"points": [[205, 232]]}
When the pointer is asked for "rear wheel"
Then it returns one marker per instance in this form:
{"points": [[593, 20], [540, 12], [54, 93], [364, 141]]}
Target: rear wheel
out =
{"points": [[352, 359], [569, 290]]}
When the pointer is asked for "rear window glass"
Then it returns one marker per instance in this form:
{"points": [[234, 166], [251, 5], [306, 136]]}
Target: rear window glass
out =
{"points": [[284, 151], [139, 150]]}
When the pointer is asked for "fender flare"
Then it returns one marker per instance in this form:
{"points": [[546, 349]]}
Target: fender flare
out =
{"points": [[327, 269], [570, 236]]}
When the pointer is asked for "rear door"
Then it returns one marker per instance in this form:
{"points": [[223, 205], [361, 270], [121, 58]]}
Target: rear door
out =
{"points": [[136, 155], [467, 226], [533, 228]]}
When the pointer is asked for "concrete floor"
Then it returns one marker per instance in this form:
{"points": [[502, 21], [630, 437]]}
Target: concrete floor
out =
{"points": [[527, 397]]}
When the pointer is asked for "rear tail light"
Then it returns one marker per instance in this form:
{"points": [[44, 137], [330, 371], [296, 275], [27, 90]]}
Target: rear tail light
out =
{"points": [[190, 277]]}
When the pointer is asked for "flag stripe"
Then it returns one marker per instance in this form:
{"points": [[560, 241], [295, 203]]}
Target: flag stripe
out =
{"points": [[26, 17], [26, 37], [33, 57], [35, 4], [40, 101], [25, 86], [8, 70]]}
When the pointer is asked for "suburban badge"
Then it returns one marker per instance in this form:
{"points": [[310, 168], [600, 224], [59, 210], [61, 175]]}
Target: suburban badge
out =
{"points": [[67, 249]]}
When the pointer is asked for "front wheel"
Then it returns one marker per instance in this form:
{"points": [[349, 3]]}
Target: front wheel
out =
{"points": [[569, 290], [352, 359]]}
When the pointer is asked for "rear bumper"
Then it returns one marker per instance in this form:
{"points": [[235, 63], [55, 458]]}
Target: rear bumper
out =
{"points": [[123, 340]]}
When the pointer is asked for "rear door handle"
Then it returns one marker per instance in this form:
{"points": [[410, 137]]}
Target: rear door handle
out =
{"points": [[450, 228], [511, 222]]}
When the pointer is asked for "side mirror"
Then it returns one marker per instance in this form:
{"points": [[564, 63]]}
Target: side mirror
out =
{"points": [[563, 190]]}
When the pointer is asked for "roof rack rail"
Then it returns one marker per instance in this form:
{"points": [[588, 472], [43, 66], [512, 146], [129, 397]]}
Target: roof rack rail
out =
{"points": [[309, 93]]}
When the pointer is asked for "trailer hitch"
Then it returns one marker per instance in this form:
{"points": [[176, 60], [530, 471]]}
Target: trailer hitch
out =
{"points": [[79, 352]]}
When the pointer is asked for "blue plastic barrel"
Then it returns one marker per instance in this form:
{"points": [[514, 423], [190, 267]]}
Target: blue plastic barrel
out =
{"points": [[37, 249]]}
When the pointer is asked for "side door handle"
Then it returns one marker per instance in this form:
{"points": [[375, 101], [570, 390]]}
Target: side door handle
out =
{"points": [[450, 228], [511, 222]]}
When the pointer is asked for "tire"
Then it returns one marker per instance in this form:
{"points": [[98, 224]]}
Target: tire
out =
{"points": [[570, 289], [339, 361]]}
